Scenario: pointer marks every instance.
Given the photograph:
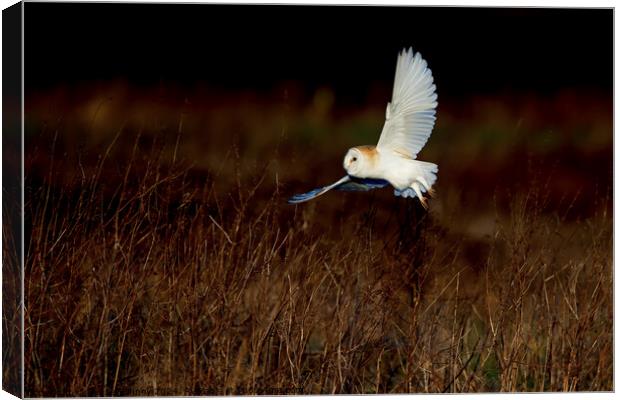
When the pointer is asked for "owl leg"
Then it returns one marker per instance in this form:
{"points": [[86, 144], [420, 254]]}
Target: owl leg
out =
{"points": [[417, 190], [428, 188]]}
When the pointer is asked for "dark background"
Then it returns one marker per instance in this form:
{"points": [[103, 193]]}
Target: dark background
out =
{"points": [[345, 47]]}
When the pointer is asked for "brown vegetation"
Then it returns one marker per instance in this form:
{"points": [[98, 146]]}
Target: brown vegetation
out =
{"points": [[146, 276]]}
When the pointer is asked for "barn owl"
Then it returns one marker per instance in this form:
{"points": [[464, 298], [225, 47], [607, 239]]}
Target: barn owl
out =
{"points": [[409, 120]]}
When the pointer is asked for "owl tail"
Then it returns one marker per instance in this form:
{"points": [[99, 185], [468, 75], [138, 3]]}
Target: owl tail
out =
{"points": [[429, 175]]}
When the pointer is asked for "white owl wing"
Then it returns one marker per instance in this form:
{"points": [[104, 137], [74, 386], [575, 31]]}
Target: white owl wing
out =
{"points": [[410, 116]]}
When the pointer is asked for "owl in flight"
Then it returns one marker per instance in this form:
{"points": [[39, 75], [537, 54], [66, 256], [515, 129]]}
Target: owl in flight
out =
{"points": [[409, 120]]}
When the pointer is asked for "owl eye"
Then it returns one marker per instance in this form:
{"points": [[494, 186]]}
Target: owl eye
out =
{"points": [[354, 159]]}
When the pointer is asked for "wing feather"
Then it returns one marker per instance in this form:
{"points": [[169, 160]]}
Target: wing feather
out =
{"points": [[346, 183], [362, 185], [300, 198], [410, 116]]}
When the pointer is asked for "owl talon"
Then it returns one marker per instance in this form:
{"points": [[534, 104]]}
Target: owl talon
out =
{"points": [[424, 202], [428, 187]]}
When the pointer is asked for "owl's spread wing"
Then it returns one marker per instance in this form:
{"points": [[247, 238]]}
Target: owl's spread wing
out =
{"points": [[346, 183], [362, 185], [410, 117], [300, 198]]}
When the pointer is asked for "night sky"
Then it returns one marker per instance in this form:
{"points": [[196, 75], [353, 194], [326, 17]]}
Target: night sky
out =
{"points": [[470, 50]]}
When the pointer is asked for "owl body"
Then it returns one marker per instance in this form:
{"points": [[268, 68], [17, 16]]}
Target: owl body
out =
{"points": [[400, 171]]}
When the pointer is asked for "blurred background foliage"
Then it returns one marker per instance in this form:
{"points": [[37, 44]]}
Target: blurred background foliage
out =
{"points": [[481, 143]]}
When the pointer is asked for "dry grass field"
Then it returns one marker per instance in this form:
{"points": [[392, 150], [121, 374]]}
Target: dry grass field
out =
{"points": [[162, 259]]}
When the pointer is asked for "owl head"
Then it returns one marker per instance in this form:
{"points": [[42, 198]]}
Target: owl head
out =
{"points": [[357, 161]]}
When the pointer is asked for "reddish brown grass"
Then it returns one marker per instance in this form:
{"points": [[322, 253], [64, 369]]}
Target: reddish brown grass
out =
{"points": [[156, 284]]}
